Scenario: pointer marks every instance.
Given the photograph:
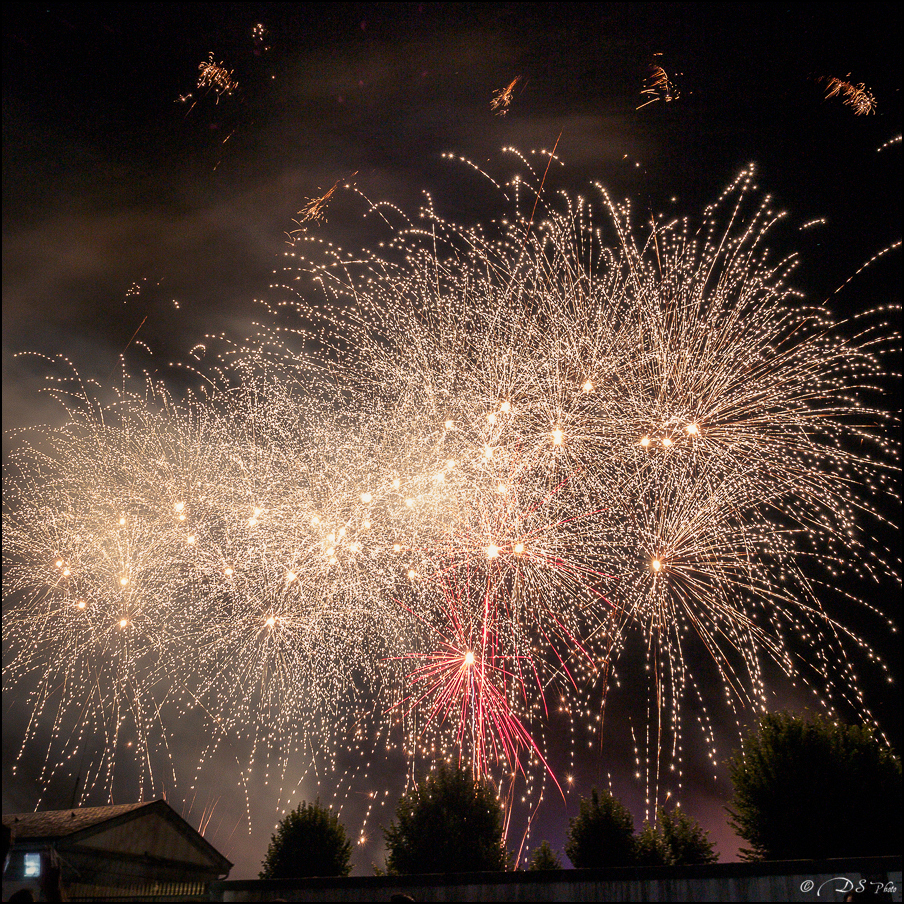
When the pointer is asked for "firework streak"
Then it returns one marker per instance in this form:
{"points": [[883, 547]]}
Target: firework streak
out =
{"points": [[506, 459]]}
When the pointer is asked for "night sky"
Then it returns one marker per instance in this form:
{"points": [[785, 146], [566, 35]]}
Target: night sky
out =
{"points": [[126, 208]]}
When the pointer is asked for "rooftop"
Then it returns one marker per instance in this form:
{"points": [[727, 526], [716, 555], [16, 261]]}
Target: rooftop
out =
{"points": [[59, 823]]}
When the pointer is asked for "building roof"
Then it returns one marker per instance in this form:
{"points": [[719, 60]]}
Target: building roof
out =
{"points": [[77, 825], [60, 823]]}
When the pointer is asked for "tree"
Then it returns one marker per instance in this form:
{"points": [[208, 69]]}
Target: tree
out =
{"points": [[544, 857], [649, 846], [310, 841], [685, 840], [815, 789], [451, 822], [601, 834], [673, 840]]}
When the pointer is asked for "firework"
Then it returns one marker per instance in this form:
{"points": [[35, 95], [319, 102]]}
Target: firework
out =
{"points": [[215, 77], [191, 573], [507, 460], [656, 445], [502, 98], [658, 86], [315, 207], [260, 37], [858, 97]]}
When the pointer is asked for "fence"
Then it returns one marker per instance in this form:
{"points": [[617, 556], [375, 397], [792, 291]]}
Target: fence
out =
{"points": [[798, 880]]}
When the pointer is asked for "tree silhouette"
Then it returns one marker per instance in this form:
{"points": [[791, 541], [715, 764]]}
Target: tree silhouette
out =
{"points": [[649, 846], [812, 789], [543, 858], [310, 841], [451, 822], [685, 840], [601, 834]]}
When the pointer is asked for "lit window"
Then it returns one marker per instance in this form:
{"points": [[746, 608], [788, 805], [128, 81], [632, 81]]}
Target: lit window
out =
{"points": [[32, 866]]}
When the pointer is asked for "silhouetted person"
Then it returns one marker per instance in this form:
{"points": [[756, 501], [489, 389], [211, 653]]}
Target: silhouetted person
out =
{"points": [[22, 896], [52, 884]]}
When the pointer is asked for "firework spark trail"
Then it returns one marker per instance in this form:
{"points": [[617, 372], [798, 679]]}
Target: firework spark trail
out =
{"points": [[465, 671], [858, 97], [502, 98], [658, 86], [184, 575], [316, 207], [215, 77], [530, 447], [694, 372]]}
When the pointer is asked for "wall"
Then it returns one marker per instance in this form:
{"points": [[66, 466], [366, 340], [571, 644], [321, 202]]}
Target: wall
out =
{"points": [[799, 880]]}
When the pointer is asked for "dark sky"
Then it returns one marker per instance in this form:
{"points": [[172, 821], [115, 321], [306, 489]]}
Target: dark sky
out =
{"points": [[110, 182]]}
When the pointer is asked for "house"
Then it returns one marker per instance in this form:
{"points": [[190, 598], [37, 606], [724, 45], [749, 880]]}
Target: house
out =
{"points": [[129, 850]]}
